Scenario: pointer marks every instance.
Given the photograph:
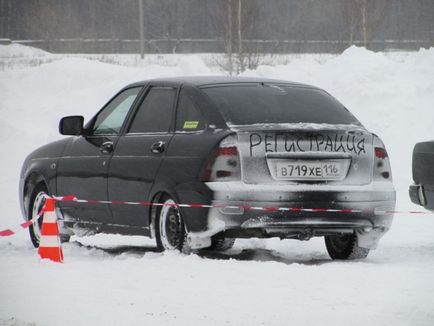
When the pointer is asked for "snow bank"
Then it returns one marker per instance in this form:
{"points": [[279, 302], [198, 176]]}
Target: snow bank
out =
{"points": [[18, 50], [259, 282]]}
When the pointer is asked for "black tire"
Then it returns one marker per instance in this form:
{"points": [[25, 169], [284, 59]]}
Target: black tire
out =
{"points": [[221, 244], [170, 229], [35, 205], [35, 229], [344, 247]]}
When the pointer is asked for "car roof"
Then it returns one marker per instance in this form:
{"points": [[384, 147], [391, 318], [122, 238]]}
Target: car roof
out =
{"points": [[201, 81]]}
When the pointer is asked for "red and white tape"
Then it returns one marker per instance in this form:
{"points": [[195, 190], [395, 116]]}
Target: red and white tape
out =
{"points": [[24, 225], [245, 207]]}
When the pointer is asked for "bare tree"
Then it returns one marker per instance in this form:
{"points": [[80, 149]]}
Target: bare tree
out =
{"points": [[236, 18], [241, 56], [229, 39], [363, 18]]}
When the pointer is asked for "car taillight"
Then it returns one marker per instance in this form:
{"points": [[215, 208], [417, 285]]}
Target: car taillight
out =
{"points": [[380, 153], [227, 151], [224, 162], [382, 170]]}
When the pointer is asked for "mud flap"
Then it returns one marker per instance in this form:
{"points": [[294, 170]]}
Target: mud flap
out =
{"points": [[369, 240], [199, 240]]}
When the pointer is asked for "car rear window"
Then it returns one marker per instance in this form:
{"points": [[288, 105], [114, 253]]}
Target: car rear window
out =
{"points": [[266, 103]]}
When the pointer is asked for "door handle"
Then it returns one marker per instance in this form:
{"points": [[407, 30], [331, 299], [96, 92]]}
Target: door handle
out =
{"points": [[158, 147], [107, 147]]}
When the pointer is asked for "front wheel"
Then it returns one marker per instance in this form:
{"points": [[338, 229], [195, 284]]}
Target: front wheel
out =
{"points": [[36, 203], [345, 247], [170, 228]]}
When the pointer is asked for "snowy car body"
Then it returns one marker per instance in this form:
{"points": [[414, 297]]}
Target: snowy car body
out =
{"points": [[238, 142]]}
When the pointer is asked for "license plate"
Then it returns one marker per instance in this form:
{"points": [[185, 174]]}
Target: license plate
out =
{"points": [[308, 170]]}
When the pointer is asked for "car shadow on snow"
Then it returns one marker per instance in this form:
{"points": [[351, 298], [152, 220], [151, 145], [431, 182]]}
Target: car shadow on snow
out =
{"points": [[118, 250], [267, 255], [250, 254]]}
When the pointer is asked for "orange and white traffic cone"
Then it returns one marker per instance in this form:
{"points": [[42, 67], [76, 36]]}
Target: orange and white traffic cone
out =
{"points": [[49, 244]]}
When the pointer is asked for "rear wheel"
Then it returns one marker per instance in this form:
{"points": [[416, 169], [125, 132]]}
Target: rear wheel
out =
{"points": [[170, 228], [344, 247]]}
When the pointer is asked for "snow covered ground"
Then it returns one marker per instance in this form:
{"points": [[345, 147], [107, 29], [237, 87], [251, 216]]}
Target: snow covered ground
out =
{"points": [[112, 280]]}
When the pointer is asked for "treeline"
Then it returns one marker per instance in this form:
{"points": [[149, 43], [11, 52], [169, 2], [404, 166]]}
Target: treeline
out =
{"points": [[219, 25]]}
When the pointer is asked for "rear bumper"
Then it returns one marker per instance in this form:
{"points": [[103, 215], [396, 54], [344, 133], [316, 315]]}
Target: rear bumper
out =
{"points": [[370, 221]]}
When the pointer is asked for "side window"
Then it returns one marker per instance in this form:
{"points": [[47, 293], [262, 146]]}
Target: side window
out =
{"points": [[110, 120], [188, 115], [155, 112]]}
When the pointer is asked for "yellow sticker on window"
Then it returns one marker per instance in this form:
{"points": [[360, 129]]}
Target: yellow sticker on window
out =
{"points": [[190, 124]]}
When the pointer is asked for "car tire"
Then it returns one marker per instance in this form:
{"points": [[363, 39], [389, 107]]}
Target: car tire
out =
{"points": [[345, 247], [37, 200], [170, 230], [221, 244], [36, 203]]}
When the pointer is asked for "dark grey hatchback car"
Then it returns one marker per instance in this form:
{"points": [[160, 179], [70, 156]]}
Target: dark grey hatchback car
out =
{"points": [[235, 144]]}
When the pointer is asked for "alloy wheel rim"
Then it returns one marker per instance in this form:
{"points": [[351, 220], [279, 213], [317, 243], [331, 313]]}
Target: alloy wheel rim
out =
{"points": [[170, 225], [38, 204]]}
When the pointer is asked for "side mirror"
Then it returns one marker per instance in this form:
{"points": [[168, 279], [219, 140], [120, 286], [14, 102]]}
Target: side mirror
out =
{"points": [[72, 125]]}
